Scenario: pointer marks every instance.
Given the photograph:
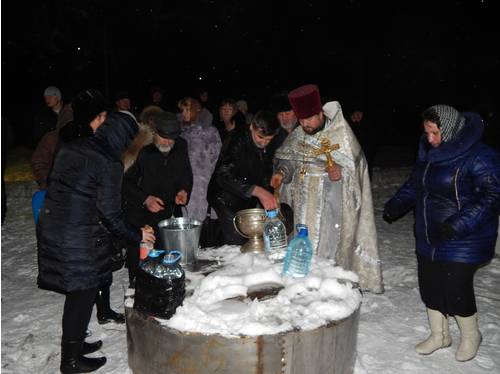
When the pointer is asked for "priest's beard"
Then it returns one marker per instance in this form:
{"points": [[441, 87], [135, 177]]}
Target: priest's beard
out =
{"points": [[310, 131]]}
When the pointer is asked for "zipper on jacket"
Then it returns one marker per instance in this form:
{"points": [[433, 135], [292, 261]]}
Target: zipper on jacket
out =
{"points": [[456, 189], [425, 206]]}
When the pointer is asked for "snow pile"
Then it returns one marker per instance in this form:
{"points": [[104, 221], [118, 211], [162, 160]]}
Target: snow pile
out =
{"points": [[220, 303]]}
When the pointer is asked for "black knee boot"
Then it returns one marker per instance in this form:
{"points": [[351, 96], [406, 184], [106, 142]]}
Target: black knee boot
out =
{"points": [[91, 347], [104, 312], [72, 360]]}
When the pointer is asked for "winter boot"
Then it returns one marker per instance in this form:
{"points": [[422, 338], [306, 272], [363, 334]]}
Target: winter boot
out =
{"points": [[72, 361], [471, 338], [104, 312], [91, 347], [440, 334]]}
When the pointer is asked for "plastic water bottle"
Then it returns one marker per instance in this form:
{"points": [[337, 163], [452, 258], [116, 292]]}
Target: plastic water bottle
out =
{"points": [[169, 268], [151, 262], [299, 254], [275, 240], [171, 290]]}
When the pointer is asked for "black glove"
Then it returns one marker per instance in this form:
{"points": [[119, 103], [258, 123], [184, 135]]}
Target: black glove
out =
{"points": [[387, 217], [444, 233]]}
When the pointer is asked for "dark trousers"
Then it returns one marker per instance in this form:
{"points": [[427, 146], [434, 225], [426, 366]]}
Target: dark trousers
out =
{"points": [[225, 218], [447, 286], [132, 261], [77, 311]]}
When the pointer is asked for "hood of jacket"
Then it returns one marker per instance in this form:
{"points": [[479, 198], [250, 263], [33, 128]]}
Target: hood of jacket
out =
{"points": [[116, 134]]}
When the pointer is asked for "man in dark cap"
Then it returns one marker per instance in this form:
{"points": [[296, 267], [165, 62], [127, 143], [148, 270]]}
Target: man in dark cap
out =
{"points": [[158, 182], [280, 104], [122, 101], [323, 176]]}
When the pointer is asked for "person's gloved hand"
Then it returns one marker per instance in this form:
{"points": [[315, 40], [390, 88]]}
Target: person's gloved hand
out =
{"points": [[387, 218], [444, 233], [389, 215]]}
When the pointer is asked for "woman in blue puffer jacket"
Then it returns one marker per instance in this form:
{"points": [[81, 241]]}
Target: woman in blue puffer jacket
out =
{"points": [[454, 189]]}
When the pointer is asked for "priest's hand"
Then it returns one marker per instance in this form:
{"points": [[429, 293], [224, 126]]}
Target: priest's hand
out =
{"points": [[334, 172], [276, 180], [181, 197], [266, 198], [154, 204]]}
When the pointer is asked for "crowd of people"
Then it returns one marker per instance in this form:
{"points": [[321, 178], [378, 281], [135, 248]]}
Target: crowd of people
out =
{"points": [[110, 173]]}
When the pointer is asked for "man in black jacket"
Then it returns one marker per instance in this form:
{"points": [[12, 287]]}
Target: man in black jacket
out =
{"points": [[242, 176], [158, 182]]}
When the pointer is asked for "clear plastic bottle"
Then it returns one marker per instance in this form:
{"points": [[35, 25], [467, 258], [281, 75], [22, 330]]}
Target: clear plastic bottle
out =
{"points": [[275, 239], [299, 254], [169, 268], [151, 262], [171, 293]]}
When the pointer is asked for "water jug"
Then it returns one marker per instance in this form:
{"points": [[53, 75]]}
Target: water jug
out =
{"points": [[275, 240], [299, 254]]}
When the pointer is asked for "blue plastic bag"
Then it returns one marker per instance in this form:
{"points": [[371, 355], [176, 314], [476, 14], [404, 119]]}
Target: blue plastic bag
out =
{"points": [[37, 203]]}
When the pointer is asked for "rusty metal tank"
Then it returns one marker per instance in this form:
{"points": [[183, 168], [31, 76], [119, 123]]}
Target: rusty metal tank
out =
{"points": [[154, 349]]}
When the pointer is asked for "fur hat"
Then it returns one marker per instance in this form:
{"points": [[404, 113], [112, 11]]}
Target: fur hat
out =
{"points": [[305, 101]]}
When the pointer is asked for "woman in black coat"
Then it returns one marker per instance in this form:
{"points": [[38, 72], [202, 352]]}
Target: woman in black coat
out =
{"points": [[83, 202]]}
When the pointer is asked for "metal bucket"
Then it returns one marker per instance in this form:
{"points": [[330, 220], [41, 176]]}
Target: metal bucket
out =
{"points": [[183, 235]]}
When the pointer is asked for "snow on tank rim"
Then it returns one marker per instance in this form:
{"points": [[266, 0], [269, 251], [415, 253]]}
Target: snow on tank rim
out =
{"points": [[326, 297]]}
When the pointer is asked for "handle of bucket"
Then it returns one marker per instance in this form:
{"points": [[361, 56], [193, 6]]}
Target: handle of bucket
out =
{"points": [[177, 256], [237, 230]]}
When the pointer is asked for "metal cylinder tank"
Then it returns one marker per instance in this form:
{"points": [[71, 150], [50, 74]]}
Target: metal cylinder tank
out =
{"points": [[154, 349]]}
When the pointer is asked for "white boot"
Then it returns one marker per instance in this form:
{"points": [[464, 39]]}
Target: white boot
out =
{"points": [[440, 334], [471, 338]]}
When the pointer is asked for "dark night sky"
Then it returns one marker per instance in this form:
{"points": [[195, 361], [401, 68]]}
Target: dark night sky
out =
{"points": [[395, 60]]}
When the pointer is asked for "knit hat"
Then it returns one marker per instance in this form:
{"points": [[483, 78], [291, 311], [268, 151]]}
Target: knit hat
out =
{"points": [[166, 125], [87, 105], [450, 121], [305, 101], [53, 91]]}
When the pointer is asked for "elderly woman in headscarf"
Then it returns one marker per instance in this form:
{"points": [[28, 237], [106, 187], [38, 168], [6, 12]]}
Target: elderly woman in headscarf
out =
{"points": [[454, 189]]}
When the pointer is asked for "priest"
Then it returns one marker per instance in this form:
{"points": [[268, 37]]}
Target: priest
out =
{"points": [[321, 171]]}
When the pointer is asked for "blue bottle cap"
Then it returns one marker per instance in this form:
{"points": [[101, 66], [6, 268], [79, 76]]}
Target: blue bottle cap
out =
{"points": [[302, 229], [156, 253], [172, 257], [272, 213]]}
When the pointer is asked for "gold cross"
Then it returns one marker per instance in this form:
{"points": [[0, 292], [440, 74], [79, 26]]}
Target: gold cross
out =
{"points": [[326, 148]]}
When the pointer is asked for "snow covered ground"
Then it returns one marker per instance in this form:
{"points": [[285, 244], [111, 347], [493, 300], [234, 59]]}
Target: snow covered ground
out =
{"points": [[391, 324]]}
